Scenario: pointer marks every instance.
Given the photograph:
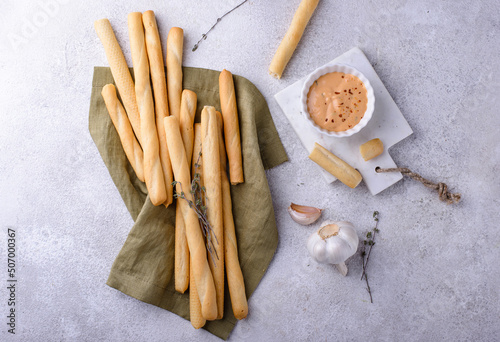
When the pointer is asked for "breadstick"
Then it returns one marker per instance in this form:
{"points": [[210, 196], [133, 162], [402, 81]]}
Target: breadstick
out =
{"points": [[292, 37], [122, 124], [195, 316], [155, 56], [181, 252], [201, 270], [188, 111], [153, 172], [235, 281], [371, 149], [175, 42], [231, 126], [212, 182], [121, 73], [336, 166], [156, 65]]}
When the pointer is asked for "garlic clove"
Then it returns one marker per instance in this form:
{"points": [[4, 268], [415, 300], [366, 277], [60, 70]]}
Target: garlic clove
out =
{"points": [[303, 214]]}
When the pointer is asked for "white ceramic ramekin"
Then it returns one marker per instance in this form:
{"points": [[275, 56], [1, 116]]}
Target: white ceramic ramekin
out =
{"points": [[347, 70]]}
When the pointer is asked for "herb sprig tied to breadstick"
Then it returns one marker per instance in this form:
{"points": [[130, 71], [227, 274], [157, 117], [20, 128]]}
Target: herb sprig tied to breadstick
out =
{"points": [[198, 192]]}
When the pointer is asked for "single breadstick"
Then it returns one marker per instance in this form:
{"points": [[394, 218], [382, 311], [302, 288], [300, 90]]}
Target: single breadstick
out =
{"points": [[122, 124], [153, 172], [175, 41], [188, 111], [198, 252], [181, 251], [195, 316], [231, 126], [213, 200], [336, 166], [155, 56], [121, 73], [197, 162], [235, 281], [156, 65], [292, 37], [371, 149]]}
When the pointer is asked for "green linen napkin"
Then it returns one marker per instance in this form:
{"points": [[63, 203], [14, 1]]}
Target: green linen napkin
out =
{"points": [[144, 267]]}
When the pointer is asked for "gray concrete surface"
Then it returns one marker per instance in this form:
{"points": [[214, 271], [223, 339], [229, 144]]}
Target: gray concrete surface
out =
{"points": [[434, 270]]}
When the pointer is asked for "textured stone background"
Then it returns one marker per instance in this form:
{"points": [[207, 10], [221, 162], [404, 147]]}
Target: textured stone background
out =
{"points": [[434, 271]]}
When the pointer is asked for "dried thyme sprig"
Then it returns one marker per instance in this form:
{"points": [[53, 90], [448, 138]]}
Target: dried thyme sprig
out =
{"points": [[370, 242], [204, 36], [197, 204]]}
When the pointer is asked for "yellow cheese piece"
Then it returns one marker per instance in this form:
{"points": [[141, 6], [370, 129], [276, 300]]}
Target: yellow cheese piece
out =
{"points": [[371, 149]]}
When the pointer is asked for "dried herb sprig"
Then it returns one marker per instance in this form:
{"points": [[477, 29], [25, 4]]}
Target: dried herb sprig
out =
{"points": [[198, 193], [204, 36], [370, 242]]}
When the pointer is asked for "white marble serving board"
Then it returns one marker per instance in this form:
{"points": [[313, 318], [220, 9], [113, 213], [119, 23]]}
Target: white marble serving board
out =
{"points": [[388, 124]]}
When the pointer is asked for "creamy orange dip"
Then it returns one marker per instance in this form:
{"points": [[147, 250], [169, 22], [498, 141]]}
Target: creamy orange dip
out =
{"points": [[337, 101]]}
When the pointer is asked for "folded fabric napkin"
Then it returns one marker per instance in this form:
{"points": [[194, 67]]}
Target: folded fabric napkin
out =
{"points": [[144, 267]]}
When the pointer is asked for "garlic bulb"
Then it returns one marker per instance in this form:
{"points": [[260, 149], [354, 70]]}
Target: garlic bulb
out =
{"points": [[333, 243], [303, 214]]}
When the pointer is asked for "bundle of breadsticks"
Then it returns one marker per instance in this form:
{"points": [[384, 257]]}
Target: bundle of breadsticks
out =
{"points": [[166, 149]]}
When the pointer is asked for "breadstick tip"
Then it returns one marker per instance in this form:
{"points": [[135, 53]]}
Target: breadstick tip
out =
{"points": [[148, 18], [171, 118], [225, 74], [275, 74], [108, 88], [176, 31], [101, 21], [134, 15], [187, 92]]}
